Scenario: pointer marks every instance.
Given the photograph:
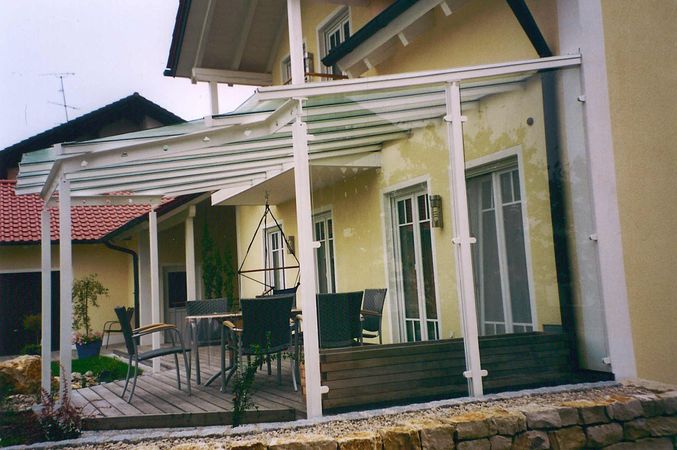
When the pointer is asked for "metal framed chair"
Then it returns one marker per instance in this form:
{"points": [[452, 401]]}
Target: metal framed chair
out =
{"points": [[338, 318], [265, 331], [113, 326], [372, 313], [136, 356]]}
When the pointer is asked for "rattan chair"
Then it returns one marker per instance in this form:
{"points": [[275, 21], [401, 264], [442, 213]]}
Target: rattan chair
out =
{"points": [[113, 326], [338, 318], [372, 313], [265, 331], [136, 356]]}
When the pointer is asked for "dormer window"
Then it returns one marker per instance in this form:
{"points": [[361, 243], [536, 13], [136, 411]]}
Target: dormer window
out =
{"points": [[333, 33]]}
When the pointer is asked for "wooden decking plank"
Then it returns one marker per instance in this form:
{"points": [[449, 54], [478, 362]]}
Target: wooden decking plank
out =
{"points": [[88, 409], [120, 404], [159, 389], [101, 404], [146, 408], [211, 400], [150, 395]]}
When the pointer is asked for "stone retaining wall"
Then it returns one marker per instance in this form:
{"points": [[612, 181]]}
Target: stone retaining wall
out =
{"points": [[619, 423]]}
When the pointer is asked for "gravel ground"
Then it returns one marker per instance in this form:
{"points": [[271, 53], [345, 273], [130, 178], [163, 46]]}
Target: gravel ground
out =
{"points": [[340, 425]]}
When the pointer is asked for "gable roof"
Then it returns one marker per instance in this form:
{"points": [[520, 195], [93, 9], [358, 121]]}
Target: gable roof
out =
{"points": [[133, 107], [20, 218]]}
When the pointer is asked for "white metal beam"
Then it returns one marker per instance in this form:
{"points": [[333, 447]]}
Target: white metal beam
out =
{"points": [[462, 240], [416, 78], [46, 286], [65, 287], [214, 97], [298, 76]]}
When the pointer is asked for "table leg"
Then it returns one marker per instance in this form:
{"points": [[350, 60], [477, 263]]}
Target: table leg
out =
{"points": [[194, 340]]}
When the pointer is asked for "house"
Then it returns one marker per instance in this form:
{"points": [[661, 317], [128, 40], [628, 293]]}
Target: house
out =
{"points": [[94, 252], [478, 159]]}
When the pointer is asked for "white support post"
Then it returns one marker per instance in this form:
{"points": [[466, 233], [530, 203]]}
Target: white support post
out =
{"points": [[462, 239], [66, 283], [154, 283], [145, 314], [214, 97], [191, 286], [295, 41], [307, 271], [581, 29], [46, 267]]}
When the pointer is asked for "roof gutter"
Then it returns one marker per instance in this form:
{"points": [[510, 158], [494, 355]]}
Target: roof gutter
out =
{"points": [[135, 264]]}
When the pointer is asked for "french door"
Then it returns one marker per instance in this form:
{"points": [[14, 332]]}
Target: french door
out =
{"points": [[414, 258], [499, 256], [323, 233]]}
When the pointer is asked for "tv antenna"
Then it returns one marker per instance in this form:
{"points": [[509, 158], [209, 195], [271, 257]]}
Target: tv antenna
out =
{"points": [[61, 76]]}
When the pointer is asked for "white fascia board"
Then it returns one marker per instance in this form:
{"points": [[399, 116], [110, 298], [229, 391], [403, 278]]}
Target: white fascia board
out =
{"points": [[178, 168], [162, 147], [387, 33], [232, 76], [174, 177], [416, 78], [238, 119], [169, 184]]}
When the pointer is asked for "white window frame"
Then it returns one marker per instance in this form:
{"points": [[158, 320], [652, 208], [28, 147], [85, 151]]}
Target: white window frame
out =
{"points": [[268, 256], [325, 216], [496, 162], [333, 21]]}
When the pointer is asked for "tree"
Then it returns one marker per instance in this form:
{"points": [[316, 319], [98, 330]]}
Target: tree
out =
{"points": [[86, 292]]}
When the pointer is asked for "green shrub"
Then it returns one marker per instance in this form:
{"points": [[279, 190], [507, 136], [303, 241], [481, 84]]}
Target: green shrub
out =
{"points": [[31, 349]]}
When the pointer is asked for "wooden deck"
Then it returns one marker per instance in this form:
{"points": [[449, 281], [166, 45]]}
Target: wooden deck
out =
{"points": [[158, 403]]}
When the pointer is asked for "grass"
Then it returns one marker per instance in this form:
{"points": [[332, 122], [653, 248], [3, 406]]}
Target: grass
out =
{"points": [[104, 368]]}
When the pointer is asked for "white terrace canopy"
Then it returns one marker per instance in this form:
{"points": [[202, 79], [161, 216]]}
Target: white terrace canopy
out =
{"points": [[238, 156]]}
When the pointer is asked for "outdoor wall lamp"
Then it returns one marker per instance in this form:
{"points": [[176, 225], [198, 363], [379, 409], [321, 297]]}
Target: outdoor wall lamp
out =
{"points": [[436, 211], [291, 244]]}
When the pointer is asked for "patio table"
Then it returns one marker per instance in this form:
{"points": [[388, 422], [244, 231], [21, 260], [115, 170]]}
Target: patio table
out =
{"points": [[191, 326]]}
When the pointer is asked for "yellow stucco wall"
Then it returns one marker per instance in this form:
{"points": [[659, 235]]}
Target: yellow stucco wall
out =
{"points": [[359, 205], [641, 62], [113, 269]]}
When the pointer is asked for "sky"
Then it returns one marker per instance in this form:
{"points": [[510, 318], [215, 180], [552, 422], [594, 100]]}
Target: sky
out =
{"points": [[114, 48]]}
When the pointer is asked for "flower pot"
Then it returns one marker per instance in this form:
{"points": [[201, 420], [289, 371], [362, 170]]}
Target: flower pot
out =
{"points": [[89, 349]]}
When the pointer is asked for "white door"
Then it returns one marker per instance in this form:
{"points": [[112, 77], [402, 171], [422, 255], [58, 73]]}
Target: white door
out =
{"points": [[414, 262], [499, 256]]}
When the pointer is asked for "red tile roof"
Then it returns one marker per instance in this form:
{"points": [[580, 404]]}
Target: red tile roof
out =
{"points": [[20, 217]]}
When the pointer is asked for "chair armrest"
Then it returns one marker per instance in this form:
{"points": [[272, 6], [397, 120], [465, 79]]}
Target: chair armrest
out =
{"points": [[299, 318], [231, 326], [366, 312], [154, 328]]}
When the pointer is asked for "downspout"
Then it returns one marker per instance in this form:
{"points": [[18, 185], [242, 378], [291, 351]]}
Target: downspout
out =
{"points": [[135, 264], [556, 182]]}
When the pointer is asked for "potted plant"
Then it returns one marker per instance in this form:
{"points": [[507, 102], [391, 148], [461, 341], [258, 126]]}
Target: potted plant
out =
{"points": [[86, 292]]}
